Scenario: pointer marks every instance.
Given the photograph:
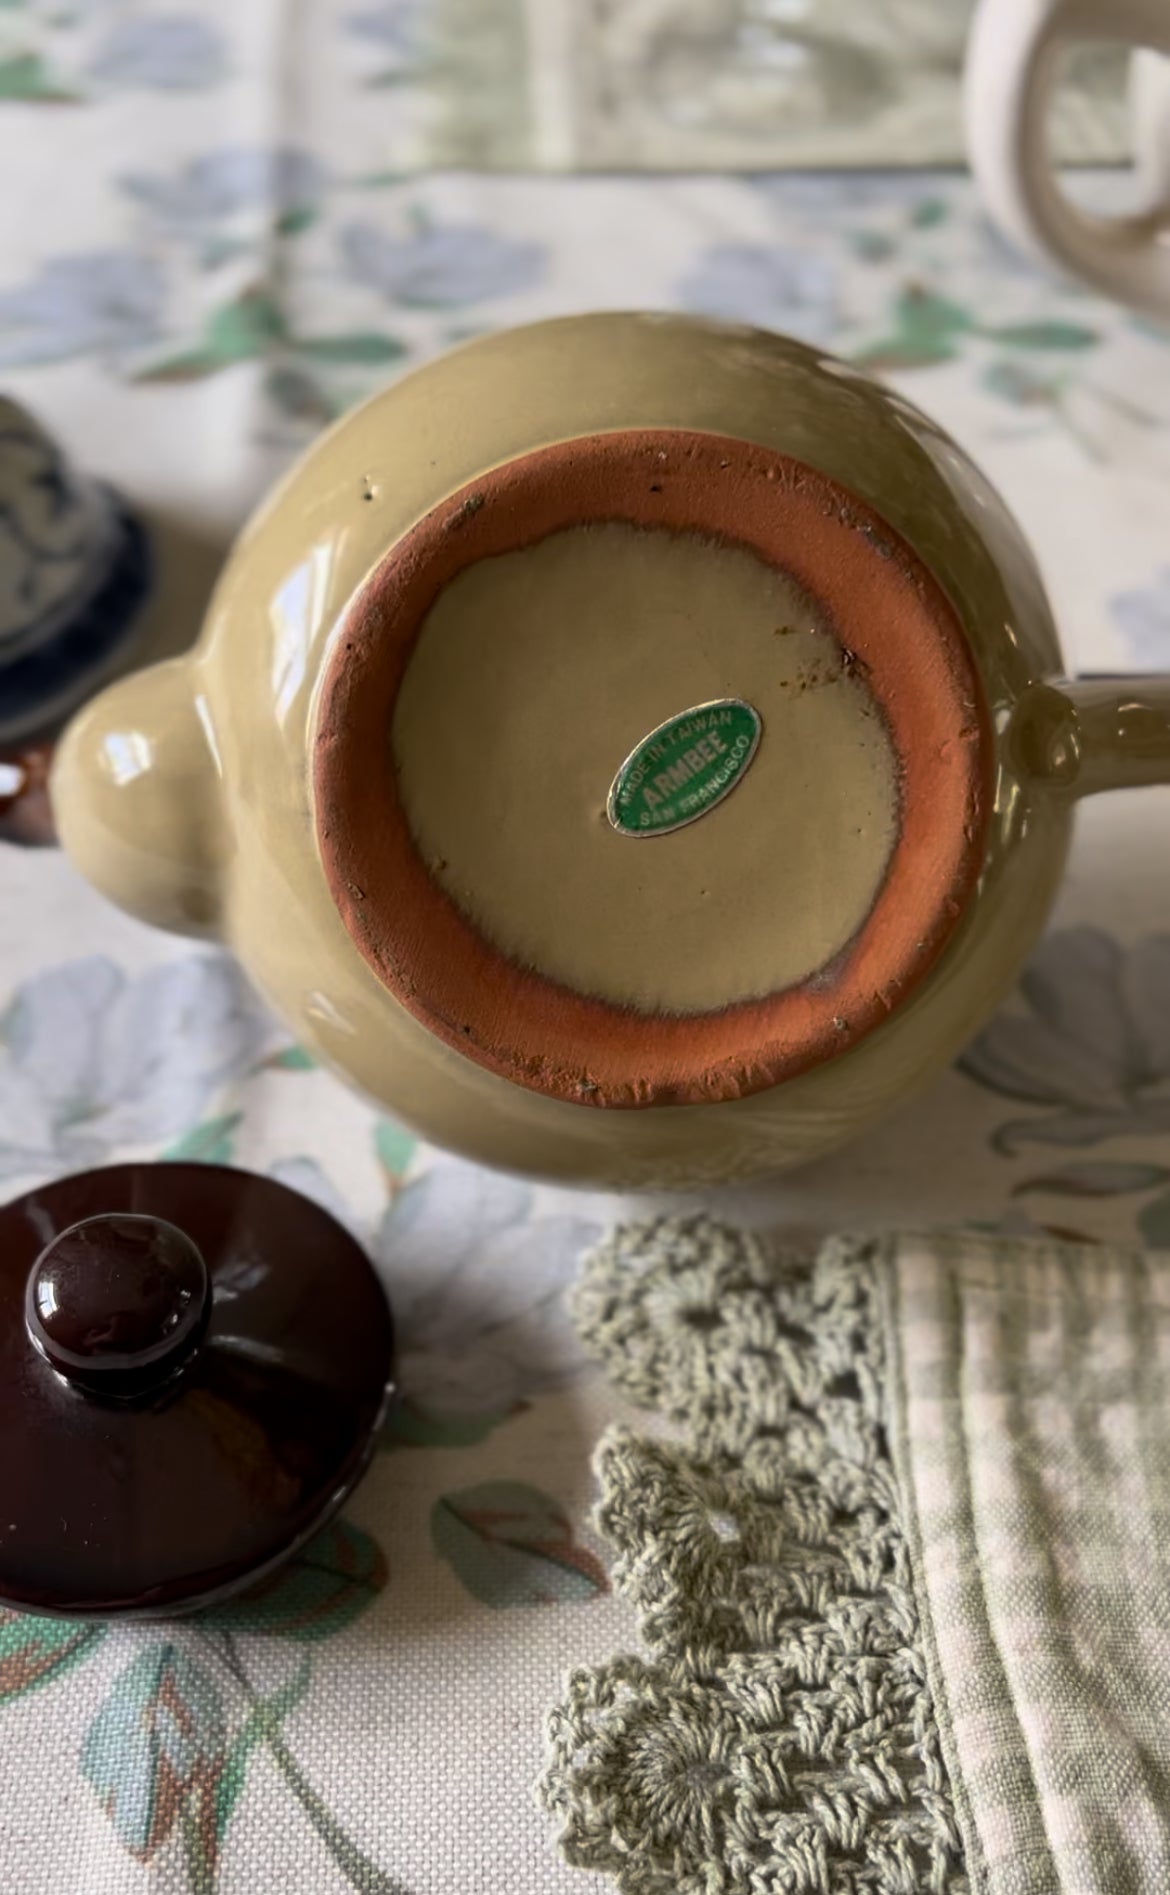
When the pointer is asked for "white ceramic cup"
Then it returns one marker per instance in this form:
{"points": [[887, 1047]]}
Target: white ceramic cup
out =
{"points": [[1013, 61]]}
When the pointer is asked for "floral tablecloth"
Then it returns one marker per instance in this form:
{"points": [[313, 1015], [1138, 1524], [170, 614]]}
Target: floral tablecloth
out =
{"points": [[555, 84], [191, 282]]}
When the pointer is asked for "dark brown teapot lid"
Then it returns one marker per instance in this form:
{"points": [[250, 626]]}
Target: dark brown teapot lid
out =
{"points": [[194, 1362]]}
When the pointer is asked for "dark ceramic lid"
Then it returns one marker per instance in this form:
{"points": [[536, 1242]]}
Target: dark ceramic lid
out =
{"points": [[193, 1365]]}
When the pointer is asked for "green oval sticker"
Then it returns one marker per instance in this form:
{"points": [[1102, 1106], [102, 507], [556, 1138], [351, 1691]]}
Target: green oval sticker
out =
{"points": [[684, 768]]}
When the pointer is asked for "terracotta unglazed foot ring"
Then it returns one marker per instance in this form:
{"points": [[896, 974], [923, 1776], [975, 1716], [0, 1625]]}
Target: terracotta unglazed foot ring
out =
{"points": [[896, 630]]}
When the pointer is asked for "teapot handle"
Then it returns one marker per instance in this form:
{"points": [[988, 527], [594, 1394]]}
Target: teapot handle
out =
{"points": [[135, 789], [1084, 735], [1013, 61]]}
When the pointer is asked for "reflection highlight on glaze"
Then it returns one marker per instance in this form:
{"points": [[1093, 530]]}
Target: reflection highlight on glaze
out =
{"points": [[296, 611], [127, 754], [322, 1012], [203, 713]]}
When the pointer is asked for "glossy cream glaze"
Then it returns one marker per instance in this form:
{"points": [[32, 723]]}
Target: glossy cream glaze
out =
{"points": [[534, 676]]}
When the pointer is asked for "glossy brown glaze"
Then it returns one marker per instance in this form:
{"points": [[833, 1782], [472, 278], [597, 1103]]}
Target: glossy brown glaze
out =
{"points": [[894, 624], [117, 1303], [26, 816], [214, 1473]]}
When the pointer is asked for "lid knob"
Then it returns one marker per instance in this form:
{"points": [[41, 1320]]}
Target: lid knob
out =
{"points": [[117, 1303]]}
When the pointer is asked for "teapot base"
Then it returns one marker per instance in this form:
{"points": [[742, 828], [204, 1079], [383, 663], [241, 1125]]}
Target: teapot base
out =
{"points": [[530, 933]]}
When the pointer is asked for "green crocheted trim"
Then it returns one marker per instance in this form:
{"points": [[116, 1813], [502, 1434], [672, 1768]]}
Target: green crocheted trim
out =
{"points": [[779, 1736]]}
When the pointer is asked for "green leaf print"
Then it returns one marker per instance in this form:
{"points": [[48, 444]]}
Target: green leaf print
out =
{"points": [[168, 1753], [266, 1714], [292, 222], [924, 315], [408, 1426], [326, 1586], [253, 325], [35, 1650], [395, 1147], [182, 368], [511, 1545], [26, 77], [155, 1752], [366, 348], [291, 1059], [239, 331], [926, 332], [265, 1720], [1044, 335], [211, 1143], [929, 212]]}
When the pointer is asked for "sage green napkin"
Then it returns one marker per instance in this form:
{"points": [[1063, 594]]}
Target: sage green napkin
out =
{"points": [[901, 1565], [1029, 1396]]}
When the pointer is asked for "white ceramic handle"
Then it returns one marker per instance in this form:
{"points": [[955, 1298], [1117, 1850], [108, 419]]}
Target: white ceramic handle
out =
{"points": [[1013, 59]]}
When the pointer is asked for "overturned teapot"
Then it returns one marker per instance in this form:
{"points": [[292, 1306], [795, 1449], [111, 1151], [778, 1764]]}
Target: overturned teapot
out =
{"points": [[632, 749]]}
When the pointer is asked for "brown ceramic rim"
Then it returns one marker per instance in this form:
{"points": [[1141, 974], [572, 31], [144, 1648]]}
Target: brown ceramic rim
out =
{"points": [[26, 815], [893, 621]]}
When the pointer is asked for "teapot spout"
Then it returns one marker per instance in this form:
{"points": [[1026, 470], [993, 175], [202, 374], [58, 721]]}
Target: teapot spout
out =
{"points": [[135, 790]]}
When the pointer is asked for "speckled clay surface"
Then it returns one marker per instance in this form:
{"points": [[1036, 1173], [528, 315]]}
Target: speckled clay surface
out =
{"points": [[188, 792]]}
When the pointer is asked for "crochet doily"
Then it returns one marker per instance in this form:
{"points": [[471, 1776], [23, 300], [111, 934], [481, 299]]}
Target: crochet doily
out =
{"points": [[778, 1736]]}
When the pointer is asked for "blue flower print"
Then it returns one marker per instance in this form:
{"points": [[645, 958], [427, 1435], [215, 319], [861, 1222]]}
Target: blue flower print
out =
{"points": [[440, 267], [1143, 618], [476, 1277], [830, 196], [477, 1282], [997, 257], [772, 287], [98, 301], [176, 52], [306, 1176], [284, 182], [1092, 1047], [396, 25], [93, 1061]]}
